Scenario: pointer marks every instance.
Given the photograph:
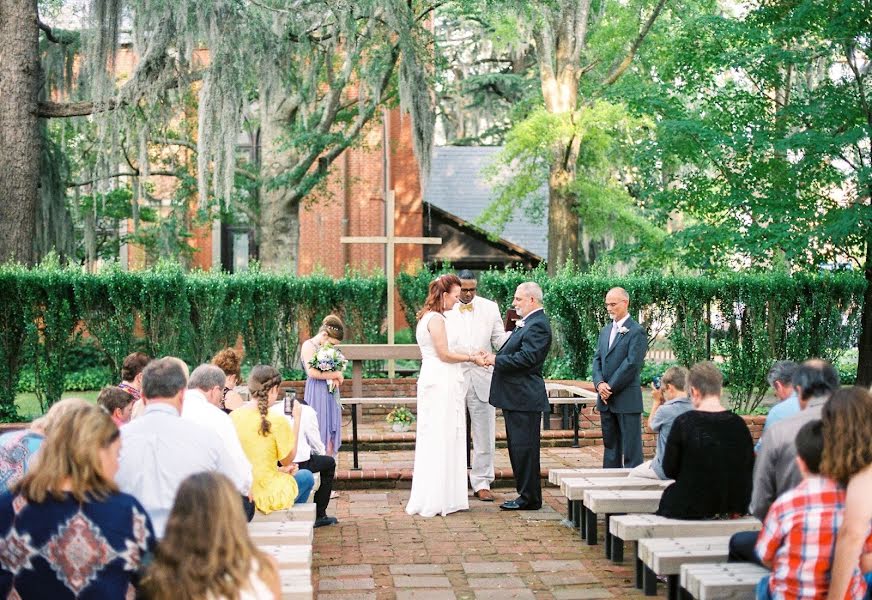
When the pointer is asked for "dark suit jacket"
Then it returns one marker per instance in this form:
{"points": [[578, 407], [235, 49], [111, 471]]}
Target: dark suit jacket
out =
{"points": [[517, 382], [620, 367]]}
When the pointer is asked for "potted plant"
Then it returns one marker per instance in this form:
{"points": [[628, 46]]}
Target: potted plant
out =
{"points": [[400, 418]]}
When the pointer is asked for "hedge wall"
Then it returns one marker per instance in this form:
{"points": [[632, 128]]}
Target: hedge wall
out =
{"points": [[750, 320], [44, 311]]}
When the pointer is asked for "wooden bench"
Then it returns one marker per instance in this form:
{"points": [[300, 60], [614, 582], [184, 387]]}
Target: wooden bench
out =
{"points": [[617, 502], [721, 581], [285, 533], [627, 528], [574, 488], [555, 476], [289, 557], [664, 556], [290, 543], [298, 512], [296, 584]]}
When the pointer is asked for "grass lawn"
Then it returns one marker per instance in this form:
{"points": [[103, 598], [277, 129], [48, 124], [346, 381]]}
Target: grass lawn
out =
{"points": [[28, 405]]}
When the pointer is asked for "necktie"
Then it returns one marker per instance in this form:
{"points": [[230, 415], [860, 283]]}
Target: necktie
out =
{"points": [[614, 334], [466, 307]]}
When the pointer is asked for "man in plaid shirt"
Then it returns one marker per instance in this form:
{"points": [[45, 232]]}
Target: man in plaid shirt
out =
{"points": [[799, 532]]}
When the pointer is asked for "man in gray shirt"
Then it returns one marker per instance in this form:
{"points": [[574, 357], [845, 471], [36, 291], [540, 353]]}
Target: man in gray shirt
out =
{"points": [[670, 401], [775, 470]]}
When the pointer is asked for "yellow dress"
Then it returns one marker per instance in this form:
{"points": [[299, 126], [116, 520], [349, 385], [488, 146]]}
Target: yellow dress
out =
{"points": [[272, 489]]}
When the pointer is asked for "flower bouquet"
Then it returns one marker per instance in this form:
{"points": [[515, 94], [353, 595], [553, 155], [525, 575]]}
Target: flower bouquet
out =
{"points": [[327, 360], [401, 418]]}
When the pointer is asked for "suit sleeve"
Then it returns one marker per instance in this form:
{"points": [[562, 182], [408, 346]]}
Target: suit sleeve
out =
{"points": [[672, 455], [499, 335], [533, 350], [763, 489], [628, 372], [597, 365]]}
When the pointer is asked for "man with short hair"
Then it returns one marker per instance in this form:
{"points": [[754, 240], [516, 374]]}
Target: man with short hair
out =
{"points": [[202, 405], [517, 387], [780, 377], [117, 402], [479, 326], [775, 469], [670, 401], [160, 449], [617, 365]]}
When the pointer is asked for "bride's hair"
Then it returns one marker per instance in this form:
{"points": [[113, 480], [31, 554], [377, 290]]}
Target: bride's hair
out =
{"points": [[440, 285]]}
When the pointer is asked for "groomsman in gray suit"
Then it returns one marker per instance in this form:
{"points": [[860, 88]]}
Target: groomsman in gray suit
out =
{"points": [[478, 327], [617, 364]]}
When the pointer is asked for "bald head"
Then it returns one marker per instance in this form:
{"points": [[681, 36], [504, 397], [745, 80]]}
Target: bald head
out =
{"points": [[617, 303]]}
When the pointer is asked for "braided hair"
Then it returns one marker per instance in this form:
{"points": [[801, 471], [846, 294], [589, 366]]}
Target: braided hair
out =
{"points": [[261, 381], [334, 327]]}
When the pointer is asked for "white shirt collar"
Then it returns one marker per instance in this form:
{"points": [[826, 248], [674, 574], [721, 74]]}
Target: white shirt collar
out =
{"points": [[535, 310], [621, 322]]}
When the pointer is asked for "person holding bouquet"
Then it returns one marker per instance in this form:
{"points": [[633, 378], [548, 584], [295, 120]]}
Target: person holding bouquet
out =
{"points": [[323, 365]]}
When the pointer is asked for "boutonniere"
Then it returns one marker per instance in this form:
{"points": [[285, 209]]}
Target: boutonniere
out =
{"points": [[622, 330], [519, 323]]}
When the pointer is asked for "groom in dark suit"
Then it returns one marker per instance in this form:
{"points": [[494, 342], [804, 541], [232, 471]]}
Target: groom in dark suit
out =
{"points": [[617, 364], [518, 389]]}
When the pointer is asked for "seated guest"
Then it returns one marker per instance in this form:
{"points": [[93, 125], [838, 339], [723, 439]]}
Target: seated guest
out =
{"points": [[160, 448], [799, 532], [208, 554], [670, 400], [229, 361], [117, 402], [65, 529], [310, 456], [847, 458], [17, 448], [780, 377], [131, 379], [268, 438], [202, 402], [709, 454]]}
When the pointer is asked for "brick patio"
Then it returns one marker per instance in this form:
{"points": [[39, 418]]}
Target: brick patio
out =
{"points": [[378, 552]]}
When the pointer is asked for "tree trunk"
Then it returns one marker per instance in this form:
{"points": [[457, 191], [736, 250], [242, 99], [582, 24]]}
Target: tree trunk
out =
{"points": [[562, 220], [279, 230], [864, 360], [19, 134]]}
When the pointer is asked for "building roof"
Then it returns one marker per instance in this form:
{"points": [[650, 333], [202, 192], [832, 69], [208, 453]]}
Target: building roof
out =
{"points": [[457, 186]]}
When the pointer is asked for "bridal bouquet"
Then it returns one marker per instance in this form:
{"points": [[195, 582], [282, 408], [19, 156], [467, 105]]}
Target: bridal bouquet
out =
{"points": [[327, 360]]}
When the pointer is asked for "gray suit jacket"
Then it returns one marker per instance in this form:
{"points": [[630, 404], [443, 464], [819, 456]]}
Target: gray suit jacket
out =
{"points": [[620, 366]]}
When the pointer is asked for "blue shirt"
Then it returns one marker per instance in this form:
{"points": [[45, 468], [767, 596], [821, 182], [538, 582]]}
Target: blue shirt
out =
{"points": [[784, 409], [661, 422], [158, 451]]}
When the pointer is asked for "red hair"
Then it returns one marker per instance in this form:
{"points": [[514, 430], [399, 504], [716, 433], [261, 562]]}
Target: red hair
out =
{"points": [[440, 285]]}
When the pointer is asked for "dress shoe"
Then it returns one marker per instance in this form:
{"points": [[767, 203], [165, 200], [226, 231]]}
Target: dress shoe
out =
{"points": [[325, 520], [485, 495], [518, 505]]}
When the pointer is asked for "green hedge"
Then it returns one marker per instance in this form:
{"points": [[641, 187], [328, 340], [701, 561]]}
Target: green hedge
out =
{"points": [[45, 311], [750, 319]]}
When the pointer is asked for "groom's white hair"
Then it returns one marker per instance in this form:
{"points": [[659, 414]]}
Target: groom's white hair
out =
{"points": [[531, 289]]}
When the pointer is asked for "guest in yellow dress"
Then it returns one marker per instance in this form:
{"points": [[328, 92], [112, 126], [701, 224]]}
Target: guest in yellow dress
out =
{"points": [[268, 439]]}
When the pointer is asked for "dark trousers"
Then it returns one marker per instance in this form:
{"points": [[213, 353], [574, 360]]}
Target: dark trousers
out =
{"points": [[248, 508], [742, 547], [326, 466], [622, 438], [523, 436]]}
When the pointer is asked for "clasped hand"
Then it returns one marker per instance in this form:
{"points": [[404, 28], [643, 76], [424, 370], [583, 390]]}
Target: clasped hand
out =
{"points": [[484, 359]]}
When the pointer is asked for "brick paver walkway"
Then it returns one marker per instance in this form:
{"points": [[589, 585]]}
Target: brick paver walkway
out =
{"points": [[378, 552]]}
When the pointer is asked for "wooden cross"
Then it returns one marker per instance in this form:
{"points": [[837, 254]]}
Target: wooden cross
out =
{"points": [[390, 241]]}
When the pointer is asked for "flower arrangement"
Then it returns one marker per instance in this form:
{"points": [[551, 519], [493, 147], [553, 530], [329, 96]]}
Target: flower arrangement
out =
{"points": [[327, 360], [400, 414]]}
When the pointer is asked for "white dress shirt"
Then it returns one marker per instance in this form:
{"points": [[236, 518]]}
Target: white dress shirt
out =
{"points": [[158, 451], [615, 326], [472, 330], [310, 435], [198, 409]]}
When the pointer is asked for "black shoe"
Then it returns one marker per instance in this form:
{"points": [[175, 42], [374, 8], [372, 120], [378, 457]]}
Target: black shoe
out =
{"points": [[325, 520], [519, 504]]}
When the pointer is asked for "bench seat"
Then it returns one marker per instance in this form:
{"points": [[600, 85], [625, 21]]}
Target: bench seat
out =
{"points": [[721, 581], [665, 556], [284, 533]]}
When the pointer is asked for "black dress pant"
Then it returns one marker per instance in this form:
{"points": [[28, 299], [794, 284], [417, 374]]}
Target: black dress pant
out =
{"points": [[248, 507], [326, 466], [622, 439], [742, 547], [523, 436]]}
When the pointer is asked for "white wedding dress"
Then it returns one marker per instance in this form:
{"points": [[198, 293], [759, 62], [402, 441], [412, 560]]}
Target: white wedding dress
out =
{"points": [[439, 476]]}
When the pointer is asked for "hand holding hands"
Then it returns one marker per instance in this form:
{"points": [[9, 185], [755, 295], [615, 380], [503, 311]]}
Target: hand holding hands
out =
{"points": [[290, 469], [484, 359], [605, 391]]}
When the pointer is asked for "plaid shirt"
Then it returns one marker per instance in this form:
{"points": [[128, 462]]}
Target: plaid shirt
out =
{"points": [[130, 390], [798, 539]]}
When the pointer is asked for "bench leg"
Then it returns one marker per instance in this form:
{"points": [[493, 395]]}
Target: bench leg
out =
{"points": [[649, 581], [590, 517], [607, 538], [683, 594], [672, 586], [569, 514], [617, 550], [639, 568], [581, 515]]}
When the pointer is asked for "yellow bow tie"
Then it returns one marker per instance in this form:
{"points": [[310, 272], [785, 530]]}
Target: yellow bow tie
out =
{"points": [[466, 307]]}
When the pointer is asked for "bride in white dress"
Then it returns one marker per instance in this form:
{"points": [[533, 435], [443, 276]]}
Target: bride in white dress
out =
{"points": [[439, 476]]}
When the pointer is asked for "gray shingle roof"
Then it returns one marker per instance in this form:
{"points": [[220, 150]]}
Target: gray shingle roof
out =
{"points": [[457, 186]]}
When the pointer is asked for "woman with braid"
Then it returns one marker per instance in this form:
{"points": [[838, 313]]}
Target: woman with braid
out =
{"points": [[268, 439]]}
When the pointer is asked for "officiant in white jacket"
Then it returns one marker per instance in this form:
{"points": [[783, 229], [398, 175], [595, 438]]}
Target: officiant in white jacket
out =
{"points": [[477, 325]]}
